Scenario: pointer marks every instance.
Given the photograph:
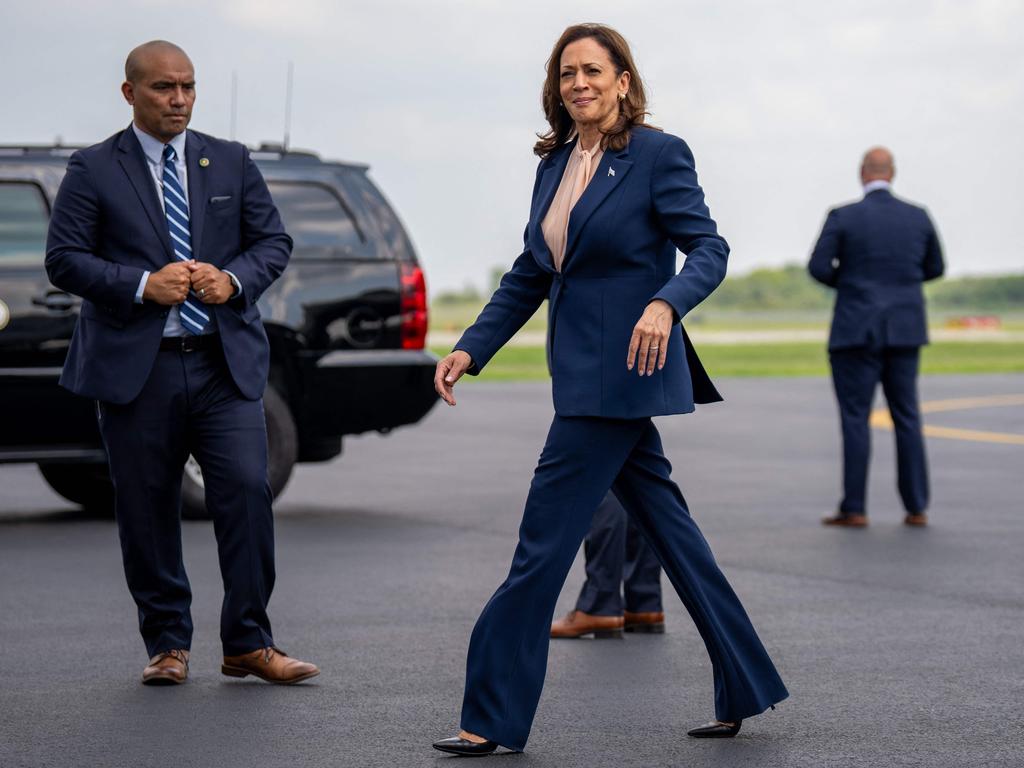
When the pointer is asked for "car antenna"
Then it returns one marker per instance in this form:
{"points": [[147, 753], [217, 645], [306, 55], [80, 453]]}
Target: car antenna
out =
{"points": [[234, 102], [288, 105]]}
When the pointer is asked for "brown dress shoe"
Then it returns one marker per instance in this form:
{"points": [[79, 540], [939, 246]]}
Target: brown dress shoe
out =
{"points": [[649, 622], [916, 520], [578, 623], [167, 668], [846, 520], [270, 664]]}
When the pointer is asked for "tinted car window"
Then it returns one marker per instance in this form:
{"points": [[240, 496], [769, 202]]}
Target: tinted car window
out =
{"points": [[396, 241], [23, 221], [315, 219]]}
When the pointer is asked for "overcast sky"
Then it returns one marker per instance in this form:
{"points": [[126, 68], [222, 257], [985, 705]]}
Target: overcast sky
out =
{"points": [[778, 100]]}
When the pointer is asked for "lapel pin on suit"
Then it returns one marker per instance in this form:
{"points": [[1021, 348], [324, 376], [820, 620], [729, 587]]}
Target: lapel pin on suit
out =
{"points": [[203, 162], [611, 171]]}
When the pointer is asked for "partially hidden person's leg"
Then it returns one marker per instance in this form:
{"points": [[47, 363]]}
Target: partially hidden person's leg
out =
{"points": [[598, 610], [746, 681], [146, 450], [227, 436], [855, 375], [508, 650], [604, 550], [641, 574], [899, 382]]}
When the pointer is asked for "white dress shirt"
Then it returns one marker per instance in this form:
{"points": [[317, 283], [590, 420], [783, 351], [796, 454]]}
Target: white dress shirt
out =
{"points": [[871, 186]]}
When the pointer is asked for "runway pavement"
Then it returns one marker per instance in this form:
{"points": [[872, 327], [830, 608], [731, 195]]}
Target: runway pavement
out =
{"points": [[900, 647]]}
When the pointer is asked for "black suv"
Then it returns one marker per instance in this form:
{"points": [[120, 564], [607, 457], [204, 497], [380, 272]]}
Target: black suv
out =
{"points": [[347, 322]]}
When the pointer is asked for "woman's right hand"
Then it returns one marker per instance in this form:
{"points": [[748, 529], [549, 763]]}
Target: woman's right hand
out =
{"points": [[449, 370]]}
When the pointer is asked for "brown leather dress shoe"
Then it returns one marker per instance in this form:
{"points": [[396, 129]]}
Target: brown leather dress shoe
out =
{"points": [[916, 520], [647, 622], [167, 668], [846, 520], [577, 624], [270, 664]]}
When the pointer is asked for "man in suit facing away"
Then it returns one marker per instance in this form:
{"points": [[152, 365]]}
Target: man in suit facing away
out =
{"points": [[170, 237], [876, 253]]}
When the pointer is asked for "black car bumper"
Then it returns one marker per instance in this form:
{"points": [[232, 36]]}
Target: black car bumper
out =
{"points": [[352, 391]]}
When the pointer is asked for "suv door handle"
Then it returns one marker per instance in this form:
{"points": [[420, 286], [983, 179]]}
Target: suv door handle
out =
{"points": [[57, 301]]}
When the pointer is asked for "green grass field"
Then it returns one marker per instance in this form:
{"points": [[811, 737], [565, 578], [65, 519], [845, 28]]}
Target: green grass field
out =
{"points": [[790, 359], [455, 316]]}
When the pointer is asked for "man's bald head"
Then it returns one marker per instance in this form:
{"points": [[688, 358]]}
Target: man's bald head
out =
{"points": [[877, 165], [160, 84], [140, 58]]}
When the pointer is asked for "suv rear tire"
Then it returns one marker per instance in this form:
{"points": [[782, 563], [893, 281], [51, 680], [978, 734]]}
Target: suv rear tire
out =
{"points": [[89, 484], [85, 484]]}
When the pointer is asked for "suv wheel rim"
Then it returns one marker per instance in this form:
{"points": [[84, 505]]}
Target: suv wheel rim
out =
{"points": [[193, 471]]}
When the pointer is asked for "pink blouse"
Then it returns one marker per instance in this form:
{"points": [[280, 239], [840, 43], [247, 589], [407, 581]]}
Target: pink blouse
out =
{"points": [[578, 172]]}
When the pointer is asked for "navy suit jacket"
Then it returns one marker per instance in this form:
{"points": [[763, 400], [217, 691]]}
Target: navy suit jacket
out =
{"points": [[642, 204], [876, 253], [107, 228]]}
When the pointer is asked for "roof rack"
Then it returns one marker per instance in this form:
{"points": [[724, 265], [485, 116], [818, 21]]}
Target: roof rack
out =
{"points": [[267, 150], [277, 148], [55, 150]]}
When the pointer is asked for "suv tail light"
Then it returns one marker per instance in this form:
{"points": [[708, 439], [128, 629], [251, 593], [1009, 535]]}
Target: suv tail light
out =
{"points": [[414, 307]]}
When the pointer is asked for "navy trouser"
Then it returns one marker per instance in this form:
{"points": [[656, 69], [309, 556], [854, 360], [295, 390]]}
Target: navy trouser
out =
{"points": [[508, 650], [190, 404], [619, 562], [855, 375]]}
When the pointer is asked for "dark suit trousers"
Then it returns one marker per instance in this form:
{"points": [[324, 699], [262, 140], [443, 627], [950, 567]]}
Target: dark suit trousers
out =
{"points": [[190, 404], [855, 375], [619, 562], [508, 650]]}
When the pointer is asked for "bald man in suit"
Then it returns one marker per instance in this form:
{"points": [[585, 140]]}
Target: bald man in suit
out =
{"points": [[876, 253], [170, 237]]}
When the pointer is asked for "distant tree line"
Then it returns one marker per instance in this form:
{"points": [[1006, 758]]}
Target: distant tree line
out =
{"points": [[790, 288], [469, 293], [997, 292]]}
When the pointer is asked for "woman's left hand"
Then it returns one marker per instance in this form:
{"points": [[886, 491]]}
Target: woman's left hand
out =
{"points": [[648, 346]]}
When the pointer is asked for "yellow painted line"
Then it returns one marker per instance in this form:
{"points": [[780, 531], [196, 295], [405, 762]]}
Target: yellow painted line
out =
{"points": [[881, 419], [965, 403]]}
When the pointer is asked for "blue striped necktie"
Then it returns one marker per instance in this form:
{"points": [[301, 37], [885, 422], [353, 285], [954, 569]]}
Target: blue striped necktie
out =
{"points": [[194, 318]]}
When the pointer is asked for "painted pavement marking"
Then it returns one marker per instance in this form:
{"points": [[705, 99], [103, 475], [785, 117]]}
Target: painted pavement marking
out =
{"points": [[880, 419]]}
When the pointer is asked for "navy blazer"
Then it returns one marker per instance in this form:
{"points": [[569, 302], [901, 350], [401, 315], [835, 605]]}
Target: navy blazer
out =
{"points": [[876, 253], [642, 204], [107, 228]]}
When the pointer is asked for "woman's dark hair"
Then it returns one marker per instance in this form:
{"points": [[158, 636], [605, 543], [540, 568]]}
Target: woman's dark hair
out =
{"points": [[632, 109]]}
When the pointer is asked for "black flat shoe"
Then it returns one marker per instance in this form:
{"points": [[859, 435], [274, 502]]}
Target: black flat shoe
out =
{"points": [[459, 746], [716, 730]]}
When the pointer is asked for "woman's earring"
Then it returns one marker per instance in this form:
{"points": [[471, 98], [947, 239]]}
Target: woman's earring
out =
{"points": [[622, 97]]}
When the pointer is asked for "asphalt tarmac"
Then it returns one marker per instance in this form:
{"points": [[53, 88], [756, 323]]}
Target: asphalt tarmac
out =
{"points": [[900, 647]]}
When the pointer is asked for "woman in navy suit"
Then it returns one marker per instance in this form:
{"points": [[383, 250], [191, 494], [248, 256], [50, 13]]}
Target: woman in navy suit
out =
{"points": [[612, 202]]}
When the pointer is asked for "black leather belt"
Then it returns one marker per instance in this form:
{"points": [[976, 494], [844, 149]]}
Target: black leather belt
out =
{"points": [[190, 343]]}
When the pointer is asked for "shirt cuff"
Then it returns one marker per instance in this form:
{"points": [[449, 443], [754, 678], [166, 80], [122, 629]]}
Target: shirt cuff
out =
{"points": [[142, 287], [235, 282]]}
